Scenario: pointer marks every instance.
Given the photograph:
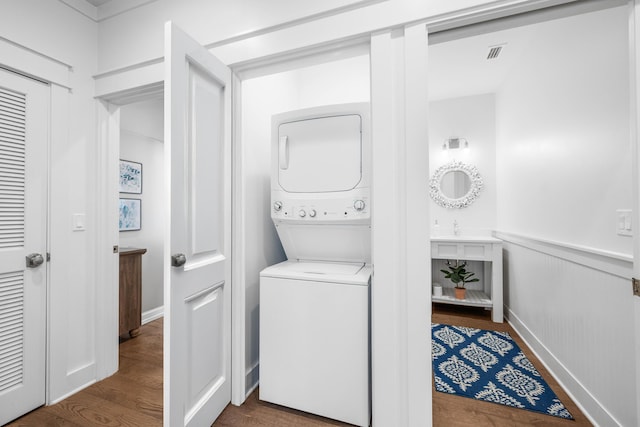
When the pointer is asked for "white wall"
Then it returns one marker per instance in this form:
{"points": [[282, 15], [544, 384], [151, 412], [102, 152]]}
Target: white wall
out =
{"points": [[336, 82], [50, 28], [564, 163], [563, 168], [141, 140], [472, 118]]}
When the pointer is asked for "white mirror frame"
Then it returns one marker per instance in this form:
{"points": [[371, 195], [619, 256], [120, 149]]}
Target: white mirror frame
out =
{"points": [[435, 189]]}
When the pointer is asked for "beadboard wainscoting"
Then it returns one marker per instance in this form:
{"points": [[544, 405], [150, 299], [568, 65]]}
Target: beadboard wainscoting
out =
{"points": [[574, 307]]}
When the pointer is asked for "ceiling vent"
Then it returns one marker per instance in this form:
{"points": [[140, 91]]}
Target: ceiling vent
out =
{"points": [[494, 51]]}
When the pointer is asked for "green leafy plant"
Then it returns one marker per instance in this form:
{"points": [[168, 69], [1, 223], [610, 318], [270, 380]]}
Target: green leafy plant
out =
{"points": [[458, 274]]}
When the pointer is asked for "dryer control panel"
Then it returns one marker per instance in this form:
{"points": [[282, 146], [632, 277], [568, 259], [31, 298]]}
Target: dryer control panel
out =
{"points": [[349, 208]]}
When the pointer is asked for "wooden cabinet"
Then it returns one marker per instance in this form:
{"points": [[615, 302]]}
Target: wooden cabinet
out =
{"points": [[130, 290]]}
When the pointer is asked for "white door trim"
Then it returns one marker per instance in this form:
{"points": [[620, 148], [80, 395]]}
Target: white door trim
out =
{"points": [[400, 296], [107, 234], [634, 79], [239, 390], [417, 220]]}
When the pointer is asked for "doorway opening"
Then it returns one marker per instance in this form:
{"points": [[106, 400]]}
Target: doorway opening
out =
{"points": [[142, 188], [535, 96]]}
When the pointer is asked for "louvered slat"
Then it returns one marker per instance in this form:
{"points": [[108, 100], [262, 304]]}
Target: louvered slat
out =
{"points": [[10, 344], [12, 168], [11, 329], [12, 95], [10, 114]]}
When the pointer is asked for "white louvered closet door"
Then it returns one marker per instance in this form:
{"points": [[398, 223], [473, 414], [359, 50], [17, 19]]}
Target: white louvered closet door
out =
{"points": [[24, 107]]}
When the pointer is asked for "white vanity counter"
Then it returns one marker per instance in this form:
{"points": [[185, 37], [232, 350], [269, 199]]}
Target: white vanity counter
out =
{"points": [[473, 248], [464, 238]]}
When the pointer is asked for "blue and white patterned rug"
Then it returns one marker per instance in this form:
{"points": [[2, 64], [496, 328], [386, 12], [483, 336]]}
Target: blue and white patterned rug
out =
{"points": [[489, 365]]}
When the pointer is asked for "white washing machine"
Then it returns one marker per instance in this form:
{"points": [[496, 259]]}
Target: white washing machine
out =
{"points": [[314, 338], [314, 308]]}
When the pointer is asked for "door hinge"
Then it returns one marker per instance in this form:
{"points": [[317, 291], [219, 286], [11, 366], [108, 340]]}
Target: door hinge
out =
{"points": [[115, 249], [636, 286], [48, 257]]}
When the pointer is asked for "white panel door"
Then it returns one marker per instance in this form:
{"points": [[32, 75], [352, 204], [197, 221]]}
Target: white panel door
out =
{"points": [[23, 221], [197, 247]]}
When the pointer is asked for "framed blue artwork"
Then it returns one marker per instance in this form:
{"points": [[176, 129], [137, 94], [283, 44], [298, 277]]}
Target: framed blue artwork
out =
{"points": [[130, 177], [130, 215]]}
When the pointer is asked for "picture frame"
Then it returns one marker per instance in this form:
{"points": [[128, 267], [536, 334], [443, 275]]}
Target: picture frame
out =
{"points": [[130, 177], [130, 217]]}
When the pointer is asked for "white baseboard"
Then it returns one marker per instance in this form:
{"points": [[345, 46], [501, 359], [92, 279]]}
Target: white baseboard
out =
{"points": [[71, 393], [153, 314], [252, 379], [587, 403]]}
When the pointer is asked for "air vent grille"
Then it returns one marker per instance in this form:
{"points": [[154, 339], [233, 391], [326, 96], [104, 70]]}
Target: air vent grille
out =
{"points": [[494, 51]]}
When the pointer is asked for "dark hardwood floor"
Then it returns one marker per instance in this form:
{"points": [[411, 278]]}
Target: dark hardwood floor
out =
{"points": [[133, 396]]}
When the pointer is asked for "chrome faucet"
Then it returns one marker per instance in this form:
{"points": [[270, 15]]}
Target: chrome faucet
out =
{"points": [[456, 228]]}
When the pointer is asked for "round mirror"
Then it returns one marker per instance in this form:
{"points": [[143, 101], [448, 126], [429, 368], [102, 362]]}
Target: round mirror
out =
{"points": [[455, 185]]}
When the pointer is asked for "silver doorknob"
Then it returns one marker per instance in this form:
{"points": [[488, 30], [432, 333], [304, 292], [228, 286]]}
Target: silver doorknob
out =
{"points": [[178, 260], [34, 260]]}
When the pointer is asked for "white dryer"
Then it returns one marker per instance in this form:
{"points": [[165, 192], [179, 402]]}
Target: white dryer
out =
{"points": [[320, 182], [314, 307]]}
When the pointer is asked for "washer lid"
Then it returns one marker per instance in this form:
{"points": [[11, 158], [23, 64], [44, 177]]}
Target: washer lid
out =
{"points": [[311, 267], [350, 273]]}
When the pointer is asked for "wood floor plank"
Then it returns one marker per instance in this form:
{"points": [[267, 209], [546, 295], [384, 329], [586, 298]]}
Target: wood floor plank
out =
{"points": [[145, 400], [256, 413], [89, 410], [43, 417]]}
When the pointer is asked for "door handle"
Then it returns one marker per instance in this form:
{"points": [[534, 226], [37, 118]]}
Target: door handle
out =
{"points": [[34, 260], [283, 152], [178, 260]]}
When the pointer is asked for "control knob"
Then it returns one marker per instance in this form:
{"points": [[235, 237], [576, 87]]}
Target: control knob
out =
{"points": [[312, 213], [358, 205], [277, 206], [302, 213]]}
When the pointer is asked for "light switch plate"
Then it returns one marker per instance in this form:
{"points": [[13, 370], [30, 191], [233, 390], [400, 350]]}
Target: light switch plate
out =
{"points": [[78, 222], [623, 222]]}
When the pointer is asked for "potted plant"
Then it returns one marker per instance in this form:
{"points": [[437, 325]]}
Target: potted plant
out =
{"points": [[459, 275]]}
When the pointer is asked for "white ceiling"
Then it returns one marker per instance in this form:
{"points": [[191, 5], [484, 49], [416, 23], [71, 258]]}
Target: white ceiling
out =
{"points": [[457, 58], [461, 68], [97, 3]]}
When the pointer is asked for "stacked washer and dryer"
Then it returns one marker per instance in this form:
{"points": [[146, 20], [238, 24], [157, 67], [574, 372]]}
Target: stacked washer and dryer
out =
{"points": [[314, 307]]}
